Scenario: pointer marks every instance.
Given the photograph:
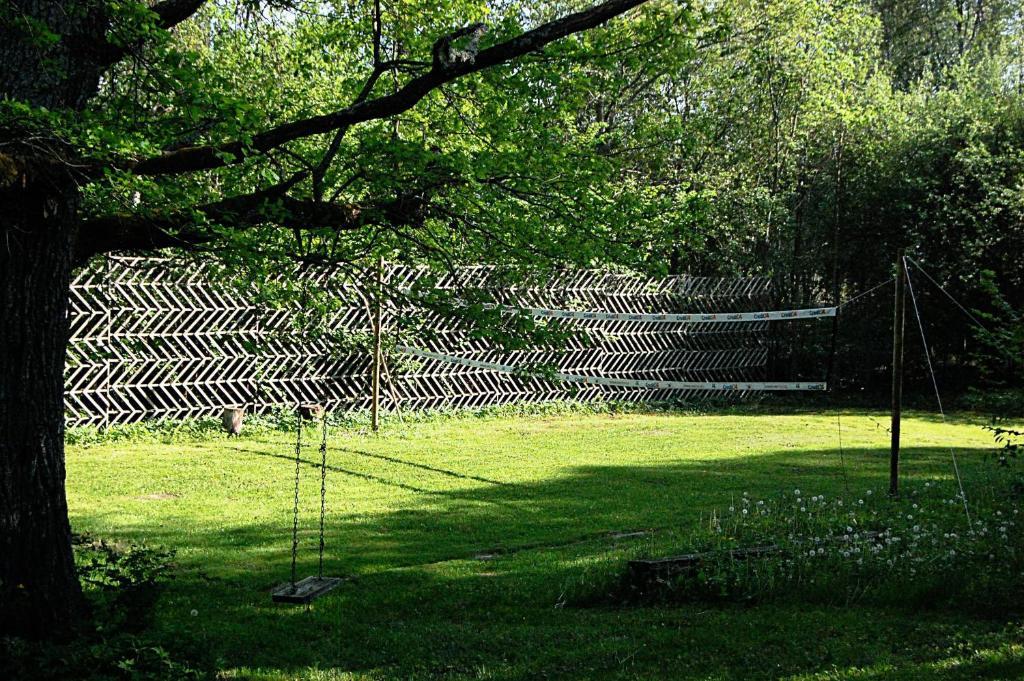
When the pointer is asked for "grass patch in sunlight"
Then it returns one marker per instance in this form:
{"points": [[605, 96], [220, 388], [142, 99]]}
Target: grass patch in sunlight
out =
{"points": [[466, 534]]}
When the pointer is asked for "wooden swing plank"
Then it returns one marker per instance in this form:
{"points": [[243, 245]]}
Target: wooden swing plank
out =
{"points": [[305, 590]]}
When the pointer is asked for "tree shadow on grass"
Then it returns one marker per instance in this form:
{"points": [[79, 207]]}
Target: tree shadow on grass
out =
{"points": [[423, 605], [445, 523]]}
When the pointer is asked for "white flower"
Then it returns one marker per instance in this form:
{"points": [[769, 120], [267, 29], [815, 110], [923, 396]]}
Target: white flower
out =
{"points": [[849, 529], [803, 509], [744, 511], [194, 613], [796, 492], [869, 493], [731, 509]]}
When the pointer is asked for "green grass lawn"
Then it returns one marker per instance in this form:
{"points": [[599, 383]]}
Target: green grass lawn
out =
{"points": [[463, 536]]}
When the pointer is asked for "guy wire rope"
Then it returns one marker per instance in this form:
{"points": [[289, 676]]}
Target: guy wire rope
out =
{"points": [[938, 398]]}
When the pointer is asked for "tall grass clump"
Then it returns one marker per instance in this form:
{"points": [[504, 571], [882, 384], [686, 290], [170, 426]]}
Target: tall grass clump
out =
{"points": [[923, 549]]}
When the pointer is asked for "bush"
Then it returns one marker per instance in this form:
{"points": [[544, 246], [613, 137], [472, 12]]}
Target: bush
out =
{"points": [[1010, 442], [121, 584], [1003, 402]]}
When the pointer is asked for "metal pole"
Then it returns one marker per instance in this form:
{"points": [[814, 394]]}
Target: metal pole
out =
{"points": [[898, 321], [375, 397]]}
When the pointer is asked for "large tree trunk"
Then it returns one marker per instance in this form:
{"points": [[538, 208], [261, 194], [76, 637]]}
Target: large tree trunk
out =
{"points": [[40, 594]]}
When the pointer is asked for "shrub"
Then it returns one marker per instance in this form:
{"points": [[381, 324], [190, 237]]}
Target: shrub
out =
{"points": [[122, 584], [1010, 442]]}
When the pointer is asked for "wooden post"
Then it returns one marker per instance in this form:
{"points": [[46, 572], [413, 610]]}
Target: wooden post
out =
{"points": [[898, 319], [375, 397]]}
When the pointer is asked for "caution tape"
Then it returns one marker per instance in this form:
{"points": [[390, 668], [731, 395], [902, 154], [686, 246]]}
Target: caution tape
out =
{"points": [[617, 382], [674, 318]]}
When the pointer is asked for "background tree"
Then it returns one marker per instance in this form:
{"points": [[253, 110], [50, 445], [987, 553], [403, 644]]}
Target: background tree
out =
{"points": [[798, 143]]}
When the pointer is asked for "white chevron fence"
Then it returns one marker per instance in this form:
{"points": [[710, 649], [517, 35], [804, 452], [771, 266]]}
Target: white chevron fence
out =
{"points": [[155, 339]]}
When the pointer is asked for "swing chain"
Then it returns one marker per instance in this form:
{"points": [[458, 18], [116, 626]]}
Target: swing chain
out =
{"points": [[323, 490], [295, 508]]}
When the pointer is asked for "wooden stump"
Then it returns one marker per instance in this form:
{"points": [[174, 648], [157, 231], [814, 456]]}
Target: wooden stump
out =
{"points": [[311, 411], [231, 419]]}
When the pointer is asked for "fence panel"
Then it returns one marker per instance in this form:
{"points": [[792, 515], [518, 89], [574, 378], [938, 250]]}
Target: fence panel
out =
{"points": [[152, 338]]}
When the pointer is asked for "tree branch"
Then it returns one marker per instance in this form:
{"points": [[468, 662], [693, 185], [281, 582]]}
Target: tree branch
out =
{"points": [[173, 12], [102, 52], [134, 232], [178, 229], [191, 159]]}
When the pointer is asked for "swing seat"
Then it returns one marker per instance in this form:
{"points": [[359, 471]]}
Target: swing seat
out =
{"points": [[305, 590]]}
